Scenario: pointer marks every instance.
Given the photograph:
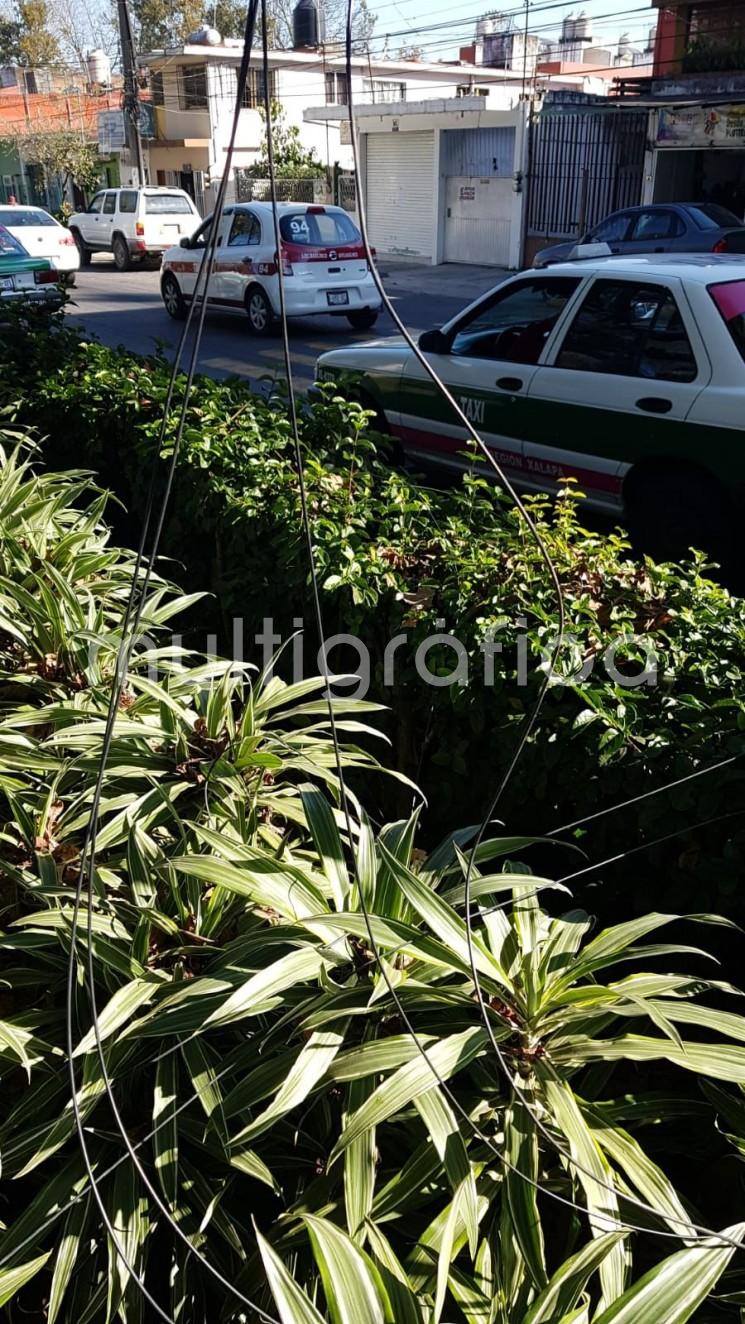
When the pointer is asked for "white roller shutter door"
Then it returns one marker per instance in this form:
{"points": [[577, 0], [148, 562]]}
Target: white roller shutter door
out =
{"points": [[399, 192]]}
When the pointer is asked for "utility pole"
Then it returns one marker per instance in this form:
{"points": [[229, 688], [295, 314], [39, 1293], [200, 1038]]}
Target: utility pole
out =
{"points": [[131, 89]]}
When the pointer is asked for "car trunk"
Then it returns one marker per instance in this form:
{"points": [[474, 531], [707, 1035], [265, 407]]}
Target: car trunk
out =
{"points": [[42, 240], [19, 273], [334, 269]]}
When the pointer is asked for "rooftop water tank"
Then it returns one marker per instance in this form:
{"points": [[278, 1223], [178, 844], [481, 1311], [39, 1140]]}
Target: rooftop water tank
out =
{"points": [[204, 37], [98, 65], [305, 25]]}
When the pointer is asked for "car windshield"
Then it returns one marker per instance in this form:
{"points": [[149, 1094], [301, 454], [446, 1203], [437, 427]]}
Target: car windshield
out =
{"points": [[319, 229], [166, 204], [10, 247], [729, 297], [25, 216], [710, 216]]}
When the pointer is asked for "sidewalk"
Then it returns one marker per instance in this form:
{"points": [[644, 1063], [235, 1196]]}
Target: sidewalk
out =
{"points": [[450, 280]]}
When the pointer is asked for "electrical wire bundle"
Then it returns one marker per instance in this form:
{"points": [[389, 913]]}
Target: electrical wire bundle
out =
{"points": [[155, 512]]}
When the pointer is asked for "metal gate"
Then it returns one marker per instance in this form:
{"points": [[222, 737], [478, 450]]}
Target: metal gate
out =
{"points": [[399, 192], [345, 190], [249, 189], [478, 219], [585, 164]]}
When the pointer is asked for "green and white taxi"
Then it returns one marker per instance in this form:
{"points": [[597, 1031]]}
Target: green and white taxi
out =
{"points": [[627, 374]]}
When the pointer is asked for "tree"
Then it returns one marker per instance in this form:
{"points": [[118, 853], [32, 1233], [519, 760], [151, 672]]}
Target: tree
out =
{"points": [[229, 17], [62, 152], [10, 40], [291, 159], [37, 44], [82, 26], [162, 23]]}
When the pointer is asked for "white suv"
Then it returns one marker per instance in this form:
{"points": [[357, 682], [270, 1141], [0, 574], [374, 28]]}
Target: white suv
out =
{"points": [[133, 223]]}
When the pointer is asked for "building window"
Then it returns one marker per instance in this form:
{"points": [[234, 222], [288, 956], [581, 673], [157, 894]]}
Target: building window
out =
{"points": [[193, 87], [378, 90], [253, 96], [156, 88], [337, 90]]}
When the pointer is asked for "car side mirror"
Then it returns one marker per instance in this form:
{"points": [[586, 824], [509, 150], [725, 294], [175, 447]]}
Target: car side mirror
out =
{"points": [[434, 341], [185, 242]]}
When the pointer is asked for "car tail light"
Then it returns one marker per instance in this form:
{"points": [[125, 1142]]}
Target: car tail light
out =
{"points": [[720, 246], [67, 241], [316, 211], [139, 228], [45, 277], [286, 264]]}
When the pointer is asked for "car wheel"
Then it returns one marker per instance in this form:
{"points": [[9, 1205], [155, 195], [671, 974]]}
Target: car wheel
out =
{"points": [[120, 249], [173, 299], [362, 318], [667, 513], [83, 250], [259, 310]]}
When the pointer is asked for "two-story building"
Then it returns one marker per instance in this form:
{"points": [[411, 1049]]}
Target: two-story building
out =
{"points": [[194, 87]]}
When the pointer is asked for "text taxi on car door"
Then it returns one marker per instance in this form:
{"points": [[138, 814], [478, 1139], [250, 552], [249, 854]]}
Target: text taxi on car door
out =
{"points": [[323, 262], [627, 374]]}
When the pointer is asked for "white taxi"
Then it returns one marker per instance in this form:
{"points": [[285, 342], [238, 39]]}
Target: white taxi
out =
{"points": [[627, 374], [323, 262]]}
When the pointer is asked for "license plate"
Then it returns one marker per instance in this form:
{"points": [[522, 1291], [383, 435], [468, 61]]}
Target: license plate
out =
{"points": [[335, 297], [7, 283]]}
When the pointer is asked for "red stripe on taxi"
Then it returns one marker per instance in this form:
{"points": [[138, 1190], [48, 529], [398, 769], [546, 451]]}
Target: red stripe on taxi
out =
{"points": [[527, 464]]}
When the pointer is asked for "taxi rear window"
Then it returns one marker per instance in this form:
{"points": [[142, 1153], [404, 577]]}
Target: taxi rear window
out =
{"points": [[729, 297], [327, 229]]}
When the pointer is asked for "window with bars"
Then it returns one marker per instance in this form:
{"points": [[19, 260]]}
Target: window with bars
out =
{"points": [[193, 87], [253, 96]]}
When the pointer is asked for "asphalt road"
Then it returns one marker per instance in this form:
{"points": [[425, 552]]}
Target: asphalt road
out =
{"points": [[125, 308]]}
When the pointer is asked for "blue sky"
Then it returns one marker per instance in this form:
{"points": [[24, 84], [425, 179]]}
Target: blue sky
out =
{"points": [[610, 19]]}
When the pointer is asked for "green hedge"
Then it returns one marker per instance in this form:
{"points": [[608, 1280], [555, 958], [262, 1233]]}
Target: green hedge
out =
{"points": [[395, 557]]}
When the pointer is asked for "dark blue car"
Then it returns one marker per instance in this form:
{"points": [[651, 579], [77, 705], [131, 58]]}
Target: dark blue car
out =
{"points": [[661, 227]]}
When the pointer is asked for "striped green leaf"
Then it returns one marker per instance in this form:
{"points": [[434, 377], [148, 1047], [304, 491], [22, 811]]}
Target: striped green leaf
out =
{"points": [[311, 1063], [404, 1305], [260, 993], [446, 1057], [165, 1125], [352, 1293], [521, 1186], [674, 1289], [359, 1165], [292, 1303], [445, 923], [12, 1280], [118, 1010], [595, 1177], [440, 1121], [328, 843], [66, 1257], [562, 1292]]}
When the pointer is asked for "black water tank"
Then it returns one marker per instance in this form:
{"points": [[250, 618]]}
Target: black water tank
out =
{"points": [[304, 25]]}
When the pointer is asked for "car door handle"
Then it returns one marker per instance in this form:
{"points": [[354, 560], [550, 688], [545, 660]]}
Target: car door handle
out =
{"points": [[509, 383], [654, 404]]}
